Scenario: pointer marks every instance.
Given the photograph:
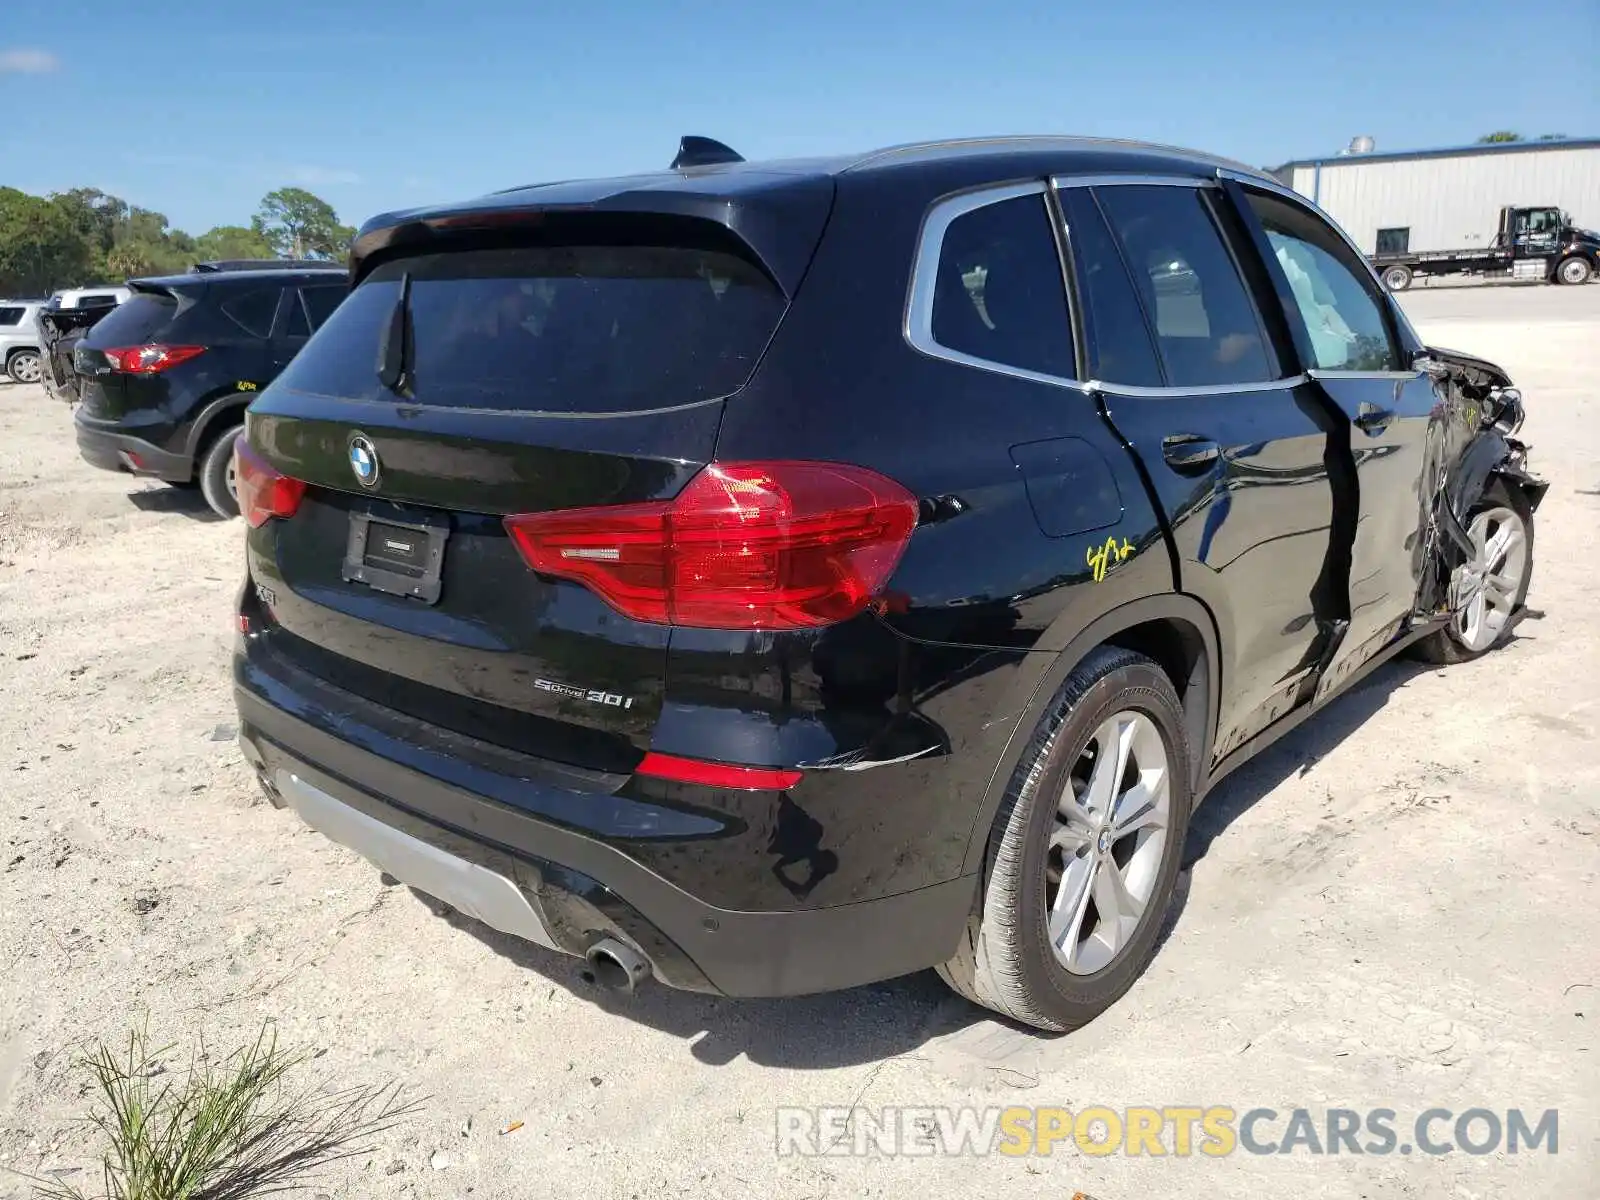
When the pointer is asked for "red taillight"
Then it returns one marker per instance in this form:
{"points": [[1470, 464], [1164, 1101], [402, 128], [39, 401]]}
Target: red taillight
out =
{"points": [[776, 545], [262, 491], [151, 359], [713, 774]]}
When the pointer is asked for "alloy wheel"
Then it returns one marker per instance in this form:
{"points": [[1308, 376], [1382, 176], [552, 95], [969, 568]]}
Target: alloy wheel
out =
{"points": [[24, 368], [1488, 584], [1107, 842]]}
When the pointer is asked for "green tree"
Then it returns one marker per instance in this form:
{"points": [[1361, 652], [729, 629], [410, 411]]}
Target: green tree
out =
{"points": [[232, 241], [301, 225], [1500, 135], [41, 246]]}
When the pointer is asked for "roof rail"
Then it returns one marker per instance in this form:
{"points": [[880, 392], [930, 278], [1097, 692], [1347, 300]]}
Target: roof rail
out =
{"points": [[696, 151], [266, 264]]}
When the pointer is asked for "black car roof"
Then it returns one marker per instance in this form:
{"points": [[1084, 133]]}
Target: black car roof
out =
{"points": [[726, 192], [1002, 156], [333, 273]]}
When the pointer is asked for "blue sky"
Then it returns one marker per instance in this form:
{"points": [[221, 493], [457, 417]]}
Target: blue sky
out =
{"points": [[198, 109]]}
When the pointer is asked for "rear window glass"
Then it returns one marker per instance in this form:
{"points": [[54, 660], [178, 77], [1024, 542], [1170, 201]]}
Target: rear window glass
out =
{"points": [[253, 310], [591, 329], [1206, 327], [320, 303], [139, 320], [999, 295]]}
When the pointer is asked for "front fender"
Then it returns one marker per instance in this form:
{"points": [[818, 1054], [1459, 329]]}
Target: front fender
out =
{"points": [[1492, 455]]}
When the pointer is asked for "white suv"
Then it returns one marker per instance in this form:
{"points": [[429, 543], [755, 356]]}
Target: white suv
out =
{"points": [[19, 339]]}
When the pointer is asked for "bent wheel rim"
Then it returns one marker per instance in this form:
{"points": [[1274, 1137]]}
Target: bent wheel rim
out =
{"points": [[1107, 842], [1488, 584]]}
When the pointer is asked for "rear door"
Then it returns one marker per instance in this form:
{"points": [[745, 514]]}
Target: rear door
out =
{"points": [[1347, 336], [241, 328], [1235, 445], [566, 373]]}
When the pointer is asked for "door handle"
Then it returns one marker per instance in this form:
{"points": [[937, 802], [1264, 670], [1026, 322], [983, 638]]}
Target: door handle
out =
{"points": [[1189, 452], [1371, 419]]}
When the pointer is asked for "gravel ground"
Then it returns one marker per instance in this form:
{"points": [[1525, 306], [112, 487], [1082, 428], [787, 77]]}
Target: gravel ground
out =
{"points": [[1393, 908]]}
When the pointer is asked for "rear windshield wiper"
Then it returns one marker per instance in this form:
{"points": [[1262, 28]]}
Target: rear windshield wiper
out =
{"points": [[398, 350]]}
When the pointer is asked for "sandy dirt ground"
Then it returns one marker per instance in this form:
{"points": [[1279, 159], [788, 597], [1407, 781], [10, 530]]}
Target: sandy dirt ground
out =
{"points": [[1396, 907]]}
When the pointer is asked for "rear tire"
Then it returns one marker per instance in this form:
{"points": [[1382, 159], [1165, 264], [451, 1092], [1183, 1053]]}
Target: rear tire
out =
{"points": [[1574, 270], [1502, 507], [1397, 278], [1065, 842], [215, 474], [24, 366]]}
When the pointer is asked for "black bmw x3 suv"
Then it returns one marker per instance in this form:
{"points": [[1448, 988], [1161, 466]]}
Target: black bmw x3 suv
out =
{"points": [[771, 578], [163, 380]]}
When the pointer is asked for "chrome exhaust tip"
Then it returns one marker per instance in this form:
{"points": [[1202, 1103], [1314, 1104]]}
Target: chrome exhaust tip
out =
{"points": [[615, 966]]}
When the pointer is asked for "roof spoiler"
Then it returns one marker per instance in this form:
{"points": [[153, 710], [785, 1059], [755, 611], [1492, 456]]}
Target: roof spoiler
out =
{"points": [[694, 151], [266, 264]]}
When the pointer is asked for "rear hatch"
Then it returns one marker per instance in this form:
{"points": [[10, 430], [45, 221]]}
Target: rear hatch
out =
{"points": [[60, 331], [578, 361], [145, 318]]}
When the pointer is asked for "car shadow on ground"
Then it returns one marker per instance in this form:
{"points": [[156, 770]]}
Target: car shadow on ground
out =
{"points": [[185, 501], [838, 1029], [880, 1021]]}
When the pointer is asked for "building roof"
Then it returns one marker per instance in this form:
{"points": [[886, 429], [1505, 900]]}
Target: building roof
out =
{"points": [[1341, 157]]}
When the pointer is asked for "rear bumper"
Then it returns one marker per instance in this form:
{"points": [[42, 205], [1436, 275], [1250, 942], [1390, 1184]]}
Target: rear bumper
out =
{"points": [[111, 450], [524, 874]]}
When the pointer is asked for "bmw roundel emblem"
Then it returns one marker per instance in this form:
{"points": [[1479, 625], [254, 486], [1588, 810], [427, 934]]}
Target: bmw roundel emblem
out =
{"points": [[364, 460]]}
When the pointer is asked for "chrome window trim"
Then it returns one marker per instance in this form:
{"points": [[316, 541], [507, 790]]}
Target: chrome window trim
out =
{"points": [[1203, 389], [1336, 373], [1266, 184], [917, 327], [1198, 182], [918, 324]]}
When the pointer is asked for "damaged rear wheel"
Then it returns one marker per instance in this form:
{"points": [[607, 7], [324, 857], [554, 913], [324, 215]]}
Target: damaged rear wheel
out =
{"points": [[1488, 590]]}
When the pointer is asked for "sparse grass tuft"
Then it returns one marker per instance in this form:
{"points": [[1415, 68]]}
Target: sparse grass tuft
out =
{"points": [[224, 1131]]}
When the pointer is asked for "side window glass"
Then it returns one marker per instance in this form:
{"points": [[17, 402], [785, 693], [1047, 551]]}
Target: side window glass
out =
{"points": [[1206, 327], [999, 295], [1120, 347], [252, 310], [1338, 307], [10, 316], [320, 303], [296, 325]]}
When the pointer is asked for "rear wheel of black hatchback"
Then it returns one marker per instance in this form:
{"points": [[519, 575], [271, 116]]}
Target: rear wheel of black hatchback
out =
{"points": [[1084, 852], [214, 474]]}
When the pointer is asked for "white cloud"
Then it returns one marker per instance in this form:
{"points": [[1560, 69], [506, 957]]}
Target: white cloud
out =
{"points": [[26, 61], [322, 176]]}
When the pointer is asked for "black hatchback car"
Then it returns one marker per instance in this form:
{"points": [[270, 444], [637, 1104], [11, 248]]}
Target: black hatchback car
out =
{"points": [[773, 578], [164, 378]]}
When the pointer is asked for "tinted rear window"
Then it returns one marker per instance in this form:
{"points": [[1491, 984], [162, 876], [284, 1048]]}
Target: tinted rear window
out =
{"points": [[252, 310], [11, 316], [141, 319], [591, 329], [320, 303]]}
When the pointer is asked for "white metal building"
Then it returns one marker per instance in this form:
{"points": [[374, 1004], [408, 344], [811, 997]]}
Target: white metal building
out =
{"points": [[1450, 198]]}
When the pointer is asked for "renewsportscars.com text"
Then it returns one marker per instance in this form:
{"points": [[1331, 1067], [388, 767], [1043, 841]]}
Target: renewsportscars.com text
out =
{"points": [[1178, 1130]]}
